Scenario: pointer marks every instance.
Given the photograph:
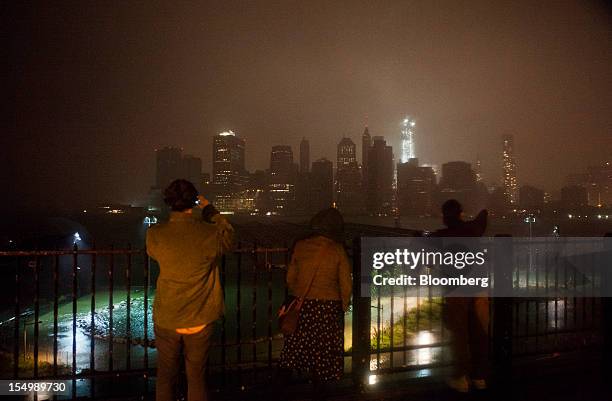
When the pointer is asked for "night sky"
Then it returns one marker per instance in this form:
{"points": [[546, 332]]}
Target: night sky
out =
{"points": [[99, 87]]}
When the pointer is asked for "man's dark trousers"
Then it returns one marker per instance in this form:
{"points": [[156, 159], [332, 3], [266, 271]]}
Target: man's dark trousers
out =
{"points": [[195, 349]]}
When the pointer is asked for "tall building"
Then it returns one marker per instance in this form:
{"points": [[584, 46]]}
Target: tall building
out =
{"points": [[192, 170], [597, 180], [169, 163], [349, 196], [257, 193], [458, 182], [304, 156], [509, 182], [478, 170], [228, 159], [321, 185], [407, 137], [172, 165], [600, 185], [346, 153], [379, 186], [366, 144], [457, 176], [281, 163], [415, 189], [229, 173], [281, 185], [205, 184]]}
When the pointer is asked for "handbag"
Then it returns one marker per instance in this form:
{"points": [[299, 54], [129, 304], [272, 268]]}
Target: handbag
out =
{"points": [[289, 314]]}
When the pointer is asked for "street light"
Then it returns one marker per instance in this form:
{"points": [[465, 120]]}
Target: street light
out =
{"points": [[530, 219]]}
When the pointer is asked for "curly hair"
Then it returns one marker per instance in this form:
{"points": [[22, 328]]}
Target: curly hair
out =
{"points": [[180, 195]]}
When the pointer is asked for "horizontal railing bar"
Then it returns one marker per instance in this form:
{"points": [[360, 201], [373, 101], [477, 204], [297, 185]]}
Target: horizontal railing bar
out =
{"points": [[375, 351], [98, 374], [118, 252], [409, 368], [553, 332], [72, 252]]}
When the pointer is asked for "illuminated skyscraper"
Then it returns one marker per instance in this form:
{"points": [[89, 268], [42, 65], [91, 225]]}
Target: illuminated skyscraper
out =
{"points": [[229, 174], [407, 136], [347, 153], [509, 169], [228, 158], [478, 170]]}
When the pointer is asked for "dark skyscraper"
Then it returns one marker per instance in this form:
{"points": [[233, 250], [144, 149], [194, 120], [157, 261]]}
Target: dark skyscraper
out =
{"points": [[458, 181], [169, 166], [349, 196], [304, 156], [457, 176], [379, 193], [281, 163], [321, 185], [531, 198], [573, 197], [415, 189], [366, 143], [229, 173], [281, 187], [192, 170]]}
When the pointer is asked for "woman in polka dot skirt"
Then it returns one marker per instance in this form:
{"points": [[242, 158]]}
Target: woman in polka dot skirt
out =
{"points": [[320, 268]]}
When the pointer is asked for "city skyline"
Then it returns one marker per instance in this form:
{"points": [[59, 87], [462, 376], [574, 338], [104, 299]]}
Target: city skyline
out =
{"points": [[378, 186], [94, 98]]}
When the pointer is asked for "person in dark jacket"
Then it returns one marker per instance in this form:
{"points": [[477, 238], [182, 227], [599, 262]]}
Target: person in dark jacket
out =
{"points": [[467, 318], [319, 272], [188, 296]]}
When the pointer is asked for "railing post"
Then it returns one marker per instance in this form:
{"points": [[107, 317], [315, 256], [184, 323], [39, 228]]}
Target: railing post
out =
{"points": [[502, 310], [361, 323]]}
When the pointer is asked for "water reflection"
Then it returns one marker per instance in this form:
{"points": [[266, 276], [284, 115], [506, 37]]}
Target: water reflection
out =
{"points": [[424, 355]]}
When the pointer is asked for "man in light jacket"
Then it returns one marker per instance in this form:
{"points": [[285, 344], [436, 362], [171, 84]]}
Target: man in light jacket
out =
{"points": [[189, 296]]}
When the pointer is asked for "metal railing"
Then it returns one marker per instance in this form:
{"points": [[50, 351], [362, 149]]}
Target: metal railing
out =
{"points": [[93, 306]]}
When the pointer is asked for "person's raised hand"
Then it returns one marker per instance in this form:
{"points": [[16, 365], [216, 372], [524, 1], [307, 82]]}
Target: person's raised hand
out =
{"points": [[203, 202]]}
